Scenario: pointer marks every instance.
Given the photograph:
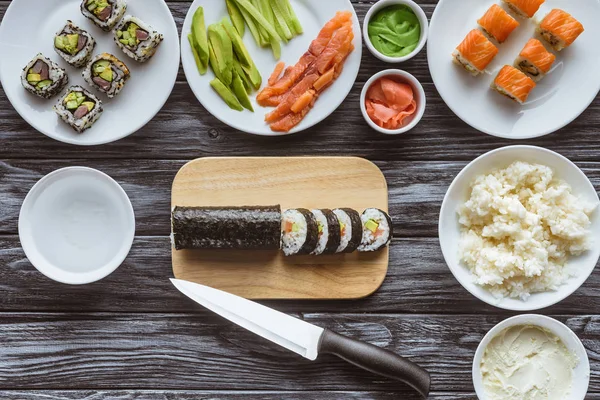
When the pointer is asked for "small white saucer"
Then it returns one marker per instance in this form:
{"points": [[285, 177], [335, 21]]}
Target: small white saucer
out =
{"points": [[76, 225]]}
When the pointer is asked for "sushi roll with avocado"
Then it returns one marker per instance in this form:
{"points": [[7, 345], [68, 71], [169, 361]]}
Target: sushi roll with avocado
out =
{"points": [[299, 232], [328, 228], [350, 229], [137, 39], [104, 13], [79, 108], [74, 45], [43, 77], [377, 230], [107, 74]]}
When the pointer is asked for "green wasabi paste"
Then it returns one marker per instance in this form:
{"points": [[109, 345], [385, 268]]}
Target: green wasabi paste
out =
{"points": [[395, 31]]}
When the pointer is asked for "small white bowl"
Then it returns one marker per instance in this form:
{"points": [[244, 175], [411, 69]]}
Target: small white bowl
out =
{"points": [[76, 225], [381, 4], [458, 194], [401, 76], [581, 373]]}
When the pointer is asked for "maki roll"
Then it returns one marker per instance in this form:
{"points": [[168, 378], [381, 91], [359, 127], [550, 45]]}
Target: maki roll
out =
{"points": [[475, 52], [107, 74], [377, 230], [74, 45], [560, 29], [241, 228], [137, 39], [328, 228], [513, 84], [299, 232], [104, 13], [497, 23], [350, 229], [534, 60], [79, 108], [43, 77]]}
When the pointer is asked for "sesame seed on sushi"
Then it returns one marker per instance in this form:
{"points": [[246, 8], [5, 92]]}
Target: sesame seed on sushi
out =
{"points": [[104, 13], [43, 77], [299, 232], [328, 228], [137, 39], [74, 45], [107, 74], [79, 108], [377, 230], [350, 229]]}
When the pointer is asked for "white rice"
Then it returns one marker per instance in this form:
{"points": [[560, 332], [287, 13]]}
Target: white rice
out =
{"points": [[292, 242], [324, 236], [369, 241], [345, 220]]}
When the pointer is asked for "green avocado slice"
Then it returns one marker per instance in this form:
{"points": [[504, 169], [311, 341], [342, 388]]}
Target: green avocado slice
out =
{"points": [[226, 94], [240, 92]]}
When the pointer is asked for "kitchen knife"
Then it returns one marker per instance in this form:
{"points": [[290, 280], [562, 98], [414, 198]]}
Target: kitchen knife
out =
{"points": [[303, 338]]}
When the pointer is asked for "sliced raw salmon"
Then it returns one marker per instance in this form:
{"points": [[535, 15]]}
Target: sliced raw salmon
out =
{"points": [[341, 18], [291, 120], [324, 80], [276, 73], [288, 79], [285, 106], [526, 8], [303, 101], [497, 23]]}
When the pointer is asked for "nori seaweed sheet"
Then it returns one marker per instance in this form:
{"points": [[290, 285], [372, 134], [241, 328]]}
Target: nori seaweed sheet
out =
{"points": [[334, 233], [240, 228], [356, 238], [312, 232]]}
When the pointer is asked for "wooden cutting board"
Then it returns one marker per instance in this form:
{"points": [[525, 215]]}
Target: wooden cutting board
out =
{"points": [[292, 182]]}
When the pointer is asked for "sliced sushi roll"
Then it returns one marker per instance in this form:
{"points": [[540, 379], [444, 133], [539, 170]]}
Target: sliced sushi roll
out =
{"points": [[376, 230], [513, 84], [104, 13], [350, 229], [137, 39], [497, 23], [299, 232], [74, 45], [475, 53], [79, 108], [43, 77], [534, 60], [524, 8], [328, 228], [560, 29], [107, 74]]}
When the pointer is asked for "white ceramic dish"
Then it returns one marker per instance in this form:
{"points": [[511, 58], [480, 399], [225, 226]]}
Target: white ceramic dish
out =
{"points": [[458, 193], [313, 14], [35, 23], [559, 98], [381, 4], [581, 373], [76, 225], [420, 98]]}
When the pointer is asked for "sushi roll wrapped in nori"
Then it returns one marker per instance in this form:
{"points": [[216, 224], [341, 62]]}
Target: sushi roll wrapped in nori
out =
{"points": [[328, 228], [241, 228], [104, 13], [299, 232], [560, 29], [107, 74], [377, 230], [74, 45], [350, 229], [137, 39], [43, 77], [79, 108], [534, 60]]}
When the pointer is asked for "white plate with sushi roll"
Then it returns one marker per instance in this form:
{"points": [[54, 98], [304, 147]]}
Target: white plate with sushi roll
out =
{"points": [[548, 89], [121, 59]]}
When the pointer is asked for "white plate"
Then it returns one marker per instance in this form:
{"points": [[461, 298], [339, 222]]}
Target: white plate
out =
{"points": [[28, 28], [76, 225], [313, 14], [581, 373], [458, 194], [559, 98]]}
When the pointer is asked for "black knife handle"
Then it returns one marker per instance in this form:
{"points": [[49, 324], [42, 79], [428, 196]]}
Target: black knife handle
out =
{"points": [[377, 360]]}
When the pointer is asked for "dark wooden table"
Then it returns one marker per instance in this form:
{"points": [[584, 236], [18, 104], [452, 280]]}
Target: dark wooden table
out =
{"points": [[133, 336]]}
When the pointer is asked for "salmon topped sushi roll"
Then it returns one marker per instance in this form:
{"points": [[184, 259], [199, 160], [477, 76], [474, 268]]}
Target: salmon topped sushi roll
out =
{"points": [[524, 8], [560, 29], [513, 83], [497, 23], [475, 53], [534, 60]]}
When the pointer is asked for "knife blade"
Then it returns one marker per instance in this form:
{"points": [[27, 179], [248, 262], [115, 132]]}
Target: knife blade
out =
{"points": [[304, 338]]}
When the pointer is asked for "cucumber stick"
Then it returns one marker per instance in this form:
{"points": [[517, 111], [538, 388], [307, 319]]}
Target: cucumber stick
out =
{"points": [[280, 17], [251, 25], [297, 27], [264, 36], [260, 20]]}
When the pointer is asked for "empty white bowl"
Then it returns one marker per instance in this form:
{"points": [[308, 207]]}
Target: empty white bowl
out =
{"points": [[380, 5], [458, 194], [76, 225], [581, 373], [400, 76]]}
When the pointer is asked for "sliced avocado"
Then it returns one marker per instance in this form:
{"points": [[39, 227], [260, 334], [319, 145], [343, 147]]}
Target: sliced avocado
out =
{"points": [[107, 75], [200, 36], [223, 51], [236, 17], [72, 41], [201, 67], [34, 78], [132, 29], [44, 83], [90, 105], [237, 43], [372, 225], [119, 34], [240, 92], [71, 97], [124, 41], [126, 35], [237, 67], [254, 76], [72, 105], [226, 94], [132, 41], [295, 227], [213, 62], [60, 42]]}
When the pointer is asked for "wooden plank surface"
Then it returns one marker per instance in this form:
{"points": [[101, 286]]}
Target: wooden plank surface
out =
{"points": [[132, 336]]}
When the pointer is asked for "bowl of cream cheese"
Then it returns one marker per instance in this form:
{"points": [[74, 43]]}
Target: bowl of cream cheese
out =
{"points": [[529, 357]]}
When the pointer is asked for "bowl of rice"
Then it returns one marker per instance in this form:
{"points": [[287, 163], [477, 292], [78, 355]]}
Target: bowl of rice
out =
{"points": [[520, 228]]}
